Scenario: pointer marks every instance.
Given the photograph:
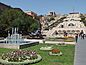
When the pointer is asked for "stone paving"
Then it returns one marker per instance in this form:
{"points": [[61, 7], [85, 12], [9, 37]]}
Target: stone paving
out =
{"points": [[49, 42], [56, 42], [80, 52]]}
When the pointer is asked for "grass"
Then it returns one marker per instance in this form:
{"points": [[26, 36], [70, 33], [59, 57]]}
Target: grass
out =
{"points": [[66, 59]]}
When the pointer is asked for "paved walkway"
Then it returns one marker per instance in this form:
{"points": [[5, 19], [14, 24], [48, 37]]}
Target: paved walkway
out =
{"points": [[56, 42], [49, 42], [80, 52]]}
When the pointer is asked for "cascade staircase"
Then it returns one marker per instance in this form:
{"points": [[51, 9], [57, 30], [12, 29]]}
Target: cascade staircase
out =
{"points": [[53, 26]]}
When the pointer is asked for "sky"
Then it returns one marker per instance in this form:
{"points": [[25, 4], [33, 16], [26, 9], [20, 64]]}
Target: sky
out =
{"points": [[45, 6]]}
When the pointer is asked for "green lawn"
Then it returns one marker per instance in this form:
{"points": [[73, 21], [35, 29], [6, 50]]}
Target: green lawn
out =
{"points": [[66, 59]]}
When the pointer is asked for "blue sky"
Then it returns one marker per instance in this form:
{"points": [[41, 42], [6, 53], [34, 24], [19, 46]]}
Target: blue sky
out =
{"points": [[44, 6]]}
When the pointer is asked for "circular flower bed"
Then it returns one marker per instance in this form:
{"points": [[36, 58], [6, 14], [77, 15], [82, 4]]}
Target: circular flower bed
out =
{"points": [[61, 44], [46, 48], [20, 57], [55, 52]]}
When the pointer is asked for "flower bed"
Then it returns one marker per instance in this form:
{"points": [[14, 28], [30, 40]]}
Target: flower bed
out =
{"points": [[20, 57], [61, 44], [55, 52], [46, 48], [68, 37]]}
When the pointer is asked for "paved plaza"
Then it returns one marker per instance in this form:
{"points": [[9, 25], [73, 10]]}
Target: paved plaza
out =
{"points": [[80, 52]]}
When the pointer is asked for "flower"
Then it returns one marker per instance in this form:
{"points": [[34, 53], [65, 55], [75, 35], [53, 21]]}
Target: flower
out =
{"points": [[55, 51], [19, 55]]}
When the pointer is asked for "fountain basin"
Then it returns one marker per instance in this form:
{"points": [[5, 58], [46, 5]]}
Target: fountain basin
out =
{"points": [[16, 41], [18, 46]]}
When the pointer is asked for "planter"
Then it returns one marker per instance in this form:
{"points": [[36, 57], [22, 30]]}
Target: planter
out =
{"points": [[55, 54]]}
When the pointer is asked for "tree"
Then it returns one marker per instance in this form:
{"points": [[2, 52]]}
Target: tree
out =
{"points": [[14, 18]]}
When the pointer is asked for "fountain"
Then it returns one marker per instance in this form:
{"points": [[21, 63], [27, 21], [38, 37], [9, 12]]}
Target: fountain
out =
{"points": [[15, 41]]}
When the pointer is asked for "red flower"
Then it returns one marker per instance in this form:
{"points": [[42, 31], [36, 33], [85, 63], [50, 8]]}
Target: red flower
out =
{"points": [[55, 51]]}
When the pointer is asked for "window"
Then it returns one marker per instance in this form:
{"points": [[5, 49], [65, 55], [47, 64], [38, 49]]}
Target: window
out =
{"points": [[62, 26], [59, 31], [72, 20], [73, 30], [71, 24]]}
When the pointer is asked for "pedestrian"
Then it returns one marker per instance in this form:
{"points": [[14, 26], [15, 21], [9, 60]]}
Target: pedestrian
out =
{"points": [[76, 37], [83, 36], [81, 33]]}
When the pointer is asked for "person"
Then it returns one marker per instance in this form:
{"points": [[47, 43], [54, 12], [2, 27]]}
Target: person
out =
{"points": [[81, 33], [56, 32], [44, 41], [83, 36], [65, 33], [76, 38]]}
